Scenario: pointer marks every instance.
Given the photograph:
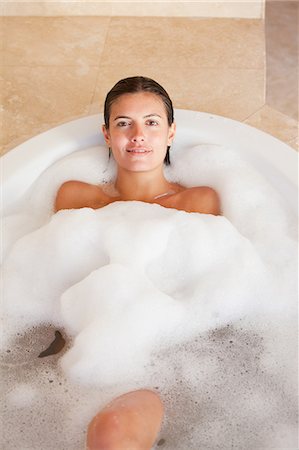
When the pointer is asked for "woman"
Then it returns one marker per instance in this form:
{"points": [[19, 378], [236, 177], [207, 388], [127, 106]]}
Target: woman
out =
{"points": [[139, 129]]}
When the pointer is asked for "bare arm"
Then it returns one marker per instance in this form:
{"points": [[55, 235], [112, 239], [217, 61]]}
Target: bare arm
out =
{"points": [[76, 194], [208, 202], [201, 199]]}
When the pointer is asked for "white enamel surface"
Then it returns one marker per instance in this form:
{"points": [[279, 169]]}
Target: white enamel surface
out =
{"points": [[274, 159]]}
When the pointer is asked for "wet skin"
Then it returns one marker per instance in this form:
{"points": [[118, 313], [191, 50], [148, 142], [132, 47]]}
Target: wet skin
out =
{"points": [[130, 422]]}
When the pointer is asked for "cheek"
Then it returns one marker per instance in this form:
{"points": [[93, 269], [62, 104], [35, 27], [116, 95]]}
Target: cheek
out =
{"points": [[118, 139], [161, 140]]}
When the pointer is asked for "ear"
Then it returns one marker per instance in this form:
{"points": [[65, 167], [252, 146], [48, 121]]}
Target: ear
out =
{"points": [[171, 133], [106, 135]]}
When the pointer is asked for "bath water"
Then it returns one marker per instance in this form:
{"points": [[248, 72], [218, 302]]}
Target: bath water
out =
{"points": [[200, 308]]}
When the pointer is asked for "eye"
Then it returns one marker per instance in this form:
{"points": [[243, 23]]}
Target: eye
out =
{"points": [[122, 123], [152, 122]]}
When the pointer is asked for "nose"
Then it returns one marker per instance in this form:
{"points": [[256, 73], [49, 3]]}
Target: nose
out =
{"points": [[137, 134]]}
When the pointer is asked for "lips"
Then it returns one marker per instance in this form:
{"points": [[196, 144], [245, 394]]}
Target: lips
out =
{"points": [[138, 150]]}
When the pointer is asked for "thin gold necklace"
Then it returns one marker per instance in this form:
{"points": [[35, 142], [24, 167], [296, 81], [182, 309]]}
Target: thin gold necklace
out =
{"points": [[162, 195]]}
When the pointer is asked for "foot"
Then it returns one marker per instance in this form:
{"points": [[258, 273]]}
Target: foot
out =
{"points": [[130, 422]]}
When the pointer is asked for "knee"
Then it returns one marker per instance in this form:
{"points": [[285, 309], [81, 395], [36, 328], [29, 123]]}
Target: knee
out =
{"points": [[131, 421]]}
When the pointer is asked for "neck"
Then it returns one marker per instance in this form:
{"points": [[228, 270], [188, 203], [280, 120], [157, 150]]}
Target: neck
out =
{"points": [[142, 186]]}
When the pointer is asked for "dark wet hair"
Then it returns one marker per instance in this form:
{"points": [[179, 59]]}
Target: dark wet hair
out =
{"points": [[137, 84]]}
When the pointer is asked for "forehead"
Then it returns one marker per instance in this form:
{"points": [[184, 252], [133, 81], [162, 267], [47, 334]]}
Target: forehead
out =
{"points": [[138, 103]]}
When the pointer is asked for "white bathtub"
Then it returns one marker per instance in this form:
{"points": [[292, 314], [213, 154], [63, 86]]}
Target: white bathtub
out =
{"points": [[226, 394], [274, 159]]}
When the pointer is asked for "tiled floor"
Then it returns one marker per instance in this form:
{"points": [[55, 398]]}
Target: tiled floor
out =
{"points": [[56, 69]]}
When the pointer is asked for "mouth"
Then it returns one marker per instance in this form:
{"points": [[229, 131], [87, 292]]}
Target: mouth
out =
{"points": [[138, 151]]}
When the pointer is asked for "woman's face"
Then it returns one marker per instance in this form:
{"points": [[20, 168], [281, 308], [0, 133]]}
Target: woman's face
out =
{"points": [[138, 131]]}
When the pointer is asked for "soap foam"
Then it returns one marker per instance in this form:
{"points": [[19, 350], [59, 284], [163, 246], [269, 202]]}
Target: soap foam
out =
{"points": [[197, 307]]}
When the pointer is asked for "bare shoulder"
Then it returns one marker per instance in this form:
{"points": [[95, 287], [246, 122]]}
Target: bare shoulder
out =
{"points": [[202, 199], [75, 194]]}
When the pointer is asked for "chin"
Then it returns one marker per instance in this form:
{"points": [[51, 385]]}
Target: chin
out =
{"points": [[139, 166]]}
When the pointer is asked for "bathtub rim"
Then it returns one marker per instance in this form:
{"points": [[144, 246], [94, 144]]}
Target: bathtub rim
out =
{"points": [[259, 147]]}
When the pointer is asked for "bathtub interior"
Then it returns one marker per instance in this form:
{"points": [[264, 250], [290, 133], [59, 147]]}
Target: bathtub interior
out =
{"points": [[223, 389]]}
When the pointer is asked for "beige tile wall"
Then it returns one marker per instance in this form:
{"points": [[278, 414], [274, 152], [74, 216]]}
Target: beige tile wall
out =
{"points": [[56, 69], [282, 32], [157, 8]]}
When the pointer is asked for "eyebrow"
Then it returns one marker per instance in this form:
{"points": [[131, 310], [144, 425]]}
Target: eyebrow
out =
{"points": [[145, 117]]}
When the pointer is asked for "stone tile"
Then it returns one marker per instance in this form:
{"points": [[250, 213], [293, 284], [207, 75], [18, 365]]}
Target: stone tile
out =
{"points": [[1, 31], [275, 123], [206, 64], [1, 110], [294, 143], [282, 56], [234, 93], [46, 41], [185, 43], [39, 98], [1, 41], [1, 46], [166, 8]]}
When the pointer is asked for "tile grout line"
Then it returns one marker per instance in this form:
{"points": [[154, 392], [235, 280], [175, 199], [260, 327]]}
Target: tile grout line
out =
{"points": [[255, 112], [99, 66]]}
